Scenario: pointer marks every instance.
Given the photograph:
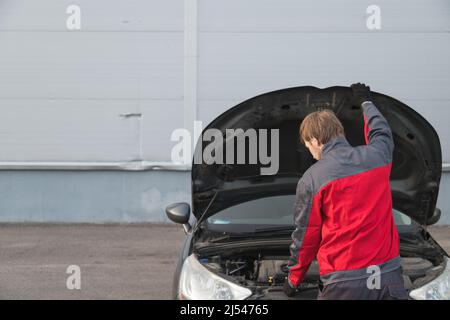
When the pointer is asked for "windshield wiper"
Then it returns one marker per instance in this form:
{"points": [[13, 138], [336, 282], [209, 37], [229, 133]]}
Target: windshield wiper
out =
{"points": [[279, 229], [228, 236], [256, 232]]}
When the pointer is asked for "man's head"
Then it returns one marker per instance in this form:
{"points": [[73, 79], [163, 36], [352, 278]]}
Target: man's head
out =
{"points": [[317, 129]]}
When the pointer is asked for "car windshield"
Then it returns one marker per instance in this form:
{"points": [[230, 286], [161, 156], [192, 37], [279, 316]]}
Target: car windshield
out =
{"points": [[266, 212]]}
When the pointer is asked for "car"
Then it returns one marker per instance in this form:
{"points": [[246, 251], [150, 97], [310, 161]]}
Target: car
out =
{"points": [[239, 228]]}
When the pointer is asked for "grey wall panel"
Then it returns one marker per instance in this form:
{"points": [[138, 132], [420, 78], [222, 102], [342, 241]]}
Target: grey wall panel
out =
{"points": [[406, 66], [248, 48], [160, 119], [91, 65], [251, 47], [98, 15], [319, 16], [444, 200], [68, 130], [62, 92], [208, 110], [88, 130]]}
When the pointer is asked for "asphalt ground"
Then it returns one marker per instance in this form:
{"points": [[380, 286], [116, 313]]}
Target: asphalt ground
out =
{"points": [[115, 261]]}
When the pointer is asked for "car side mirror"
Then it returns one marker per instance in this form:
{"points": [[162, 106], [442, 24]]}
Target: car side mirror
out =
{"points": [[435, 218], [179, 213]]}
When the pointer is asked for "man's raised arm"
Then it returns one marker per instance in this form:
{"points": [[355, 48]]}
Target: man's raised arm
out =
{"points": [[377, 132]]}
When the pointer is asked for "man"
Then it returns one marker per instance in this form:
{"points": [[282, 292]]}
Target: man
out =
{"points": [[343, 209]]}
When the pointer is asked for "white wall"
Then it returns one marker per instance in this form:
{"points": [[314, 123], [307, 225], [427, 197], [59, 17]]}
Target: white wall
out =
{"points": [[250, 47], [62, 92]]}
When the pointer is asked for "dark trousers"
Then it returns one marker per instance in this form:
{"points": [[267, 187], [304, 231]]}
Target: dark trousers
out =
{"points": [[391, 288]]}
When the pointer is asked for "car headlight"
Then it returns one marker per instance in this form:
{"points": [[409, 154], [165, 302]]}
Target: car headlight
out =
{"points": [[198, 283], [437, 289]]}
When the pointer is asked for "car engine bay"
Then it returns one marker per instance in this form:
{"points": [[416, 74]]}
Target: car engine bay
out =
{"points": [[265, 274]]}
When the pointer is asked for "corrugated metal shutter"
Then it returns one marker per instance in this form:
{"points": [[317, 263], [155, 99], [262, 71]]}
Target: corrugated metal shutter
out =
{"points": [[64, 94]]}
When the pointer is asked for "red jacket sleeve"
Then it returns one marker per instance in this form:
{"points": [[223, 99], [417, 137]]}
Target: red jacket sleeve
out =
{"points": [[307, 234]]}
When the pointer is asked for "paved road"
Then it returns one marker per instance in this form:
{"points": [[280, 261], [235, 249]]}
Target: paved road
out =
{"points": [[116, 261]]}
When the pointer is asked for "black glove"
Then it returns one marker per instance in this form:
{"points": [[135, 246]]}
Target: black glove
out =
{"points": [[361, 93], [288, 288]]}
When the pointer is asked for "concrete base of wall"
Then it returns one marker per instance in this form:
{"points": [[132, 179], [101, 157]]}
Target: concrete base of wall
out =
{"points": [[108, 196], [90, 196]]}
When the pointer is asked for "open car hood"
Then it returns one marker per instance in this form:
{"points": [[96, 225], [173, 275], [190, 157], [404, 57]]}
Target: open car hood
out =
{"points": [[417, 160]]}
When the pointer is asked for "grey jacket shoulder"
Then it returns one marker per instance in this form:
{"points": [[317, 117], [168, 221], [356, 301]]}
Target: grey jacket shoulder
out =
{"points": [[316, 176], [342, 160]]}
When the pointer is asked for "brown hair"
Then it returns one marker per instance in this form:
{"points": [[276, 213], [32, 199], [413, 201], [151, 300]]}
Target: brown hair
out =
{"points": [[322, 125]]}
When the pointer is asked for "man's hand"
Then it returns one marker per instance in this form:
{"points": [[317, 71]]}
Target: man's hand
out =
{"points": [[361, 93], [288, 288]]}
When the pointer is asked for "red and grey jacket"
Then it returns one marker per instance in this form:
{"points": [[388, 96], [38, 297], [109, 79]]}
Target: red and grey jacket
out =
{"points": [[343, 209]]}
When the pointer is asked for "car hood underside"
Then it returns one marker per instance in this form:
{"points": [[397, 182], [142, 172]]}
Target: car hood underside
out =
{"points": [[416, 167]]}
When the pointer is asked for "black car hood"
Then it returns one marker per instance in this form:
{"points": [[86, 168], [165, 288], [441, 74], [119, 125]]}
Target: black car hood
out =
{"points": [[417, 160]]}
